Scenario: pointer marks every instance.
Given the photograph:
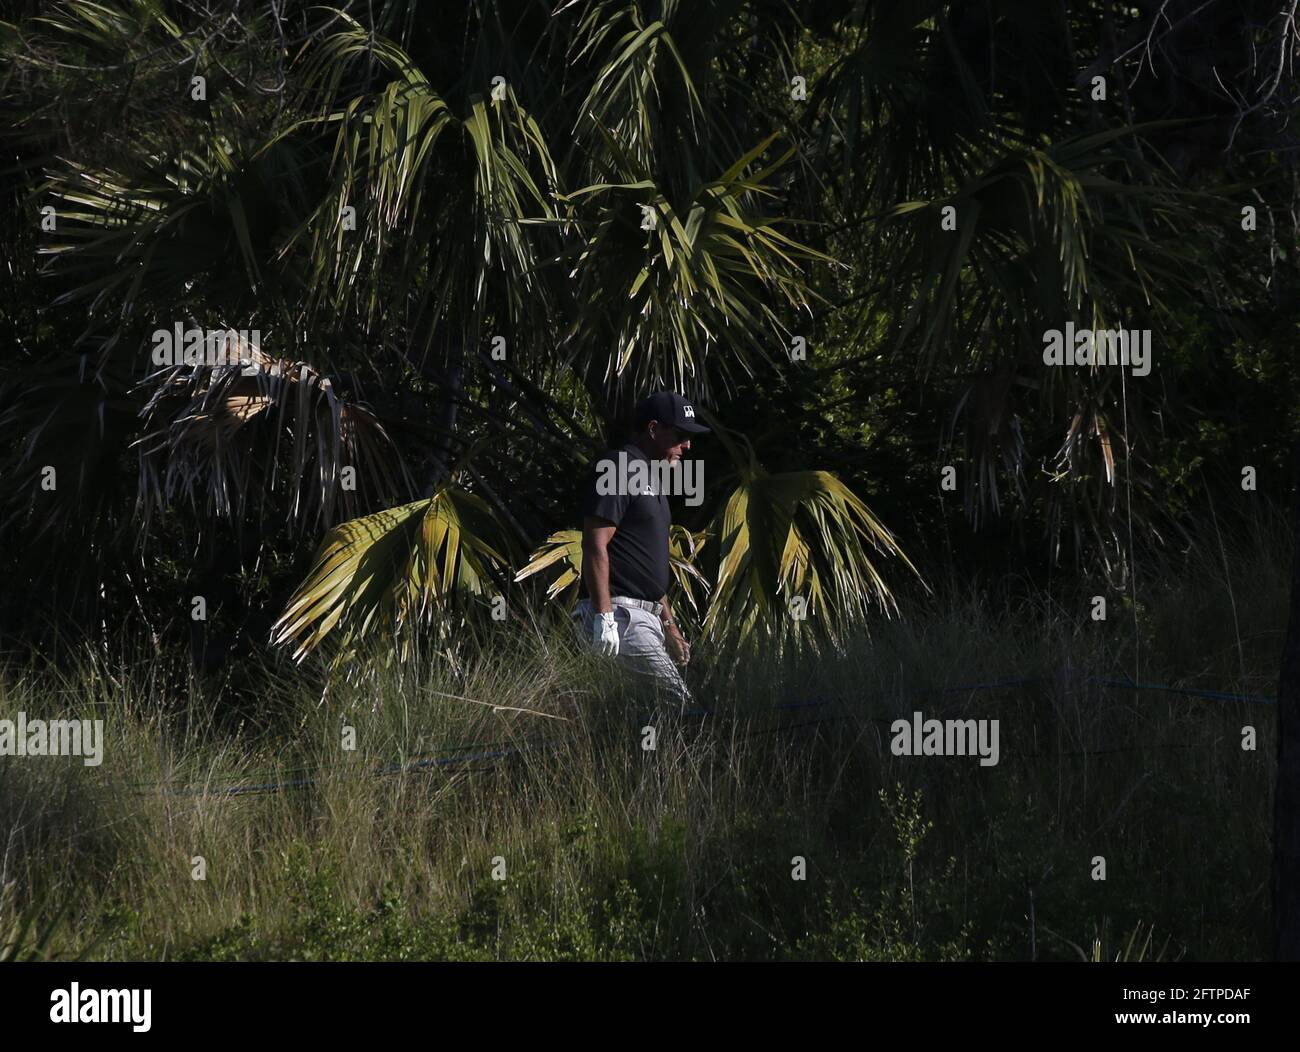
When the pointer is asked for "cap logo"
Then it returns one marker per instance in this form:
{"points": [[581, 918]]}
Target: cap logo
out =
{"points": [[688, 411]]}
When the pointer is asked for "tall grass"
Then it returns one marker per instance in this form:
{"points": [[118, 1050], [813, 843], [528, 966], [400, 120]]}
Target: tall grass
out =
{"points": [[611, 851]]}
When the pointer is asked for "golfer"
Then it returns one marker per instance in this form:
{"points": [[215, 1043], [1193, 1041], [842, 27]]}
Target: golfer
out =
{"points": [[624, 609]]}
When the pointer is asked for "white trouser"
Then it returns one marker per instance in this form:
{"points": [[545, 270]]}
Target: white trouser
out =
{"points": [[640, 645]]}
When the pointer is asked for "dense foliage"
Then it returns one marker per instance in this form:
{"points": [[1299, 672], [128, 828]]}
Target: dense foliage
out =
{"points": [[469, 237]]}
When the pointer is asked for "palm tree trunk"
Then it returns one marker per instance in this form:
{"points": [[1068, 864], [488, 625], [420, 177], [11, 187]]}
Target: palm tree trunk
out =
{"points": [[1286, 794], [446, 423]]}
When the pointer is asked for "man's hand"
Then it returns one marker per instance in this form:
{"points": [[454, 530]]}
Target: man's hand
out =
{"points": [[678, 649], [604, 634]]}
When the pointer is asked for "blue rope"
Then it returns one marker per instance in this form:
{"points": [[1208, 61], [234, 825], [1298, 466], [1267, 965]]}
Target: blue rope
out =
{"points": [[1024, 681], [1214, 695]]}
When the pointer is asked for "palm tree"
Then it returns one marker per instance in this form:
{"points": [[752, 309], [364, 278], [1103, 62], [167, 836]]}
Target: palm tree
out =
{"points": [[403, 214], [668, 266], [614, 196]]}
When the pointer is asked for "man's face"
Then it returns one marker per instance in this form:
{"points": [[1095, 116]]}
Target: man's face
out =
{"points": [[669, 443]]}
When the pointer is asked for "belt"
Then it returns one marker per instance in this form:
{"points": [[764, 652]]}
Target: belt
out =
{"points": [[644, 604]]}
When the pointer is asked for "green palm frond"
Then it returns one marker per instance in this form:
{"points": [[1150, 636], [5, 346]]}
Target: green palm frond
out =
{"points": [[163, 233], [710, 271], [1067, 232], [900, 111], [563, 549], [1043, 233], [794, 553], [447, 196], [643, 87], [387, 572], [684, 549]]}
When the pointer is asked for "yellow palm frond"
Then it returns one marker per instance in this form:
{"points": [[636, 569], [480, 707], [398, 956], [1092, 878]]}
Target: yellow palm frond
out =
{"points": [[387, 571], [795, 550], [565, 547]]}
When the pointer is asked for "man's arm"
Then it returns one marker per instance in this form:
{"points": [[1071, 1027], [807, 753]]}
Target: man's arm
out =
{"points": [[678, 649], [595, 561]]}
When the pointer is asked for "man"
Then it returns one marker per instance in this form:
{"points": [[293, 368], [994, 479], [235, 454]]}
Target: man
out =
{"points": [[624, 611]]}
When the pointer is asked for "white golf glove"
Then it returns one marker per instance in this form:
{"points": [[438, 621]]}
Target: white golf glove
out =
{"points": [[604, 634]]}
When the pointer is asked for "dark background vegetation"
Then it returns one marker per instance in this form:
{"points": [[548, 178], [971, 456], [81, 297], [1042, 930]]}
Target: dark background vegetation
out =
{"points": [[814, 217], [905, 102]]}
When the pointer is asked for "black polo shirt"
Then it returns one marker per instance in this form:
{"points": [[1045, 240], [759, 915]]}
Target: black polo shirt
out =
{"points": [[638, 551]]}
